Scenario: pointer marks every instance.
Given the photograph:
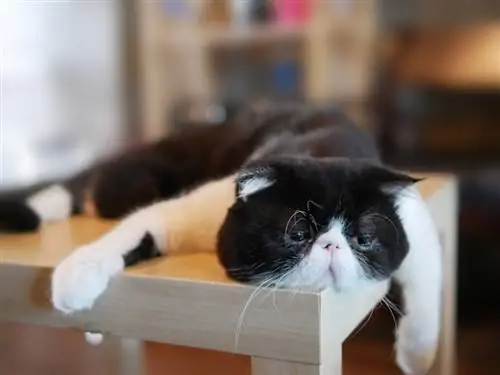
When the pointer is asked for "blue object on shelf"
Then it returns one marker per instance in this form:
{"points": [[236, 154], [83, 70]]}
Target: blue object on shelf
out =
{"points": [[175, 7], [285, 76]]}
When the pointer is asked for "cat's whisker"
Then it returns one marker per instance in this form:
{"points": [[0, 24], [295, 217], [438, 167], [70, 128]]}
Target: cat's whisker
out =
{"points": [[273, 292], [314, 222], [246, 270], [288, 223], [277, 285], [310, 201], [280, 281], [311, 216], [293, 217], [259, 288], [364, 262], [363, 325], [383, 301], [393, 306], [296, 288], [384, 217]]}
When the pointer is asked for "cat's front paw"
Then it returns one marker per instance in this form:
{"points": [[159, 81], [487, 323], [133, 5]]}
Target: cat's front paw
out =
{"points": [[82, 277], [415, 350]]}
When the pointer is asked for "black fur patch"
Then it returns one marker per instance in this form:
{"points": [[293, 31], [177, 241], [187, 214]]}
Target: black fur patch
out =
{"points": [[16, 216], [145, 250], [189, 158]]}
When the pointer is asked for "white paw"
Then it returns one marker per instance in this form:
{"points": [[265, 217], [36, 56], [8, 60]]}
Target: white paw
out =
{"points": [[82, 277], [415, 351]]}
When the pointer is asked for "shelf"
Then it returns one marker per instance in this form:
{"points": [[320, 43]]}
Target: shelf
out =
{"points": [[192, 45], [223, 36]]}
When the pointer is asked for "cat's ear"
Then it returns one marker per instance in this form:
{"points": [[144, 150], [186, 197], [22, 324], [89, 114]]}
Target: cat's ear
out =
{"points": [[252, 180], [389, 180]]}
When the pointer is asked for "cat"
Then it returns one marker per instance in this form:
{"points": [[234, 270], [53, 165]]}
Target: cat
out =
{"points": [[310, 205], [341, 223]]}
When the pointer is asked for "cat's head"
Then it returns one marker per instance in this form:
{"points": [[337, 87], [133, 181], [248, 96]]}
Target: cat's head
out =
{"points": [[314, 223]]}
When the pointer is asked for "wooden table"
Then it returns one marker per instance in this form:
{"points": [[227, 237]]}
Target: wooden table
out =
{"points": [[187, 300]]}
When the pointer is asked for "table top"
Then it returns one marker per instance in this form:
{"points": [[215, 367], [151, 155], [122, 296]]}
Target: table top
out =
{"points": [[56, 240], [183, 299]]}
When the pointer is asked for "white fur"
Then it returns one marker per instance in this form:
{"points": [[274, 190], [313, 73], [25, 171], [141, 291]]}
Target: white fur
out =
{"points": [[85, 274], [346, 268], [52, 203], [254, 185], [313, 271], [421, 281], [336, 266]]}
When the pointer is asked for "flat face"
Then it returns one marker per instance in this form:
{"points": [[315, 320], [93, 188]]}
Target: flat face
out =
{"points": [[56, 240]]}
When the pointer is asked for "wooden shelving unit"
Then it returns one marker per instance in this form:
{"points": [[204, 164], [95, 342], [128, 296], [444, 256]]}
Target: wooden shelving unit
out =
{"points": [[177, 54]]}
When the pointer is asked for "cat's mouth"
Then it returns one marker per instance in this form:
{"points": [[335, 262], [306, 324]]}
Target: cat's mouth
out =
{"points": [[332, 274]]}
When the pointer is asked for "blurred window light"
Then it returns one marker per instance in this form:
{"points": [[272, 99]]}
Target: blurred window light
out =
{"points": [[61, 88]]}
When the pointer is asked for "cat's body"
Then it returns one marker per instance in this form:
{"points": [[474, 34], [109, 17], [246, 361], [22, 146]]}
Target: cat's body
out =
{"points": [[294, 196]]}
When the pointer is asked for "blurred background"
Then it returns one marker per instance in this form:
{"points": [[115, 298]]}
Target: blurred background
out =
{"points": [[82, 79]]}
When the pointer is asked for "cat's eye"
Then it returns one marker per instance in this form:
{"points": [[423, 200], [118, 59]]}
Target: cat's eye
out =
{"points": [[299, 236], [363, 242], [303, 234]]}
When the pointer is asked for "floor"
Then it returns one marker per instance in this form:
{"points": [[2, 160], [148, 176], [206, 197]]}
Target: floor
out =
{"points": [[478, 349], [29, 350]]}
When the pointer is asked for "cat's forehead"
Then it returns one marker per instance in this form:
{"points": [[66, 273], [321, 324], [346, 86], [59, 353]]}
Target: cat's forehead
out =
{"points": [[295, 179], [333, 185], [280, 201]]}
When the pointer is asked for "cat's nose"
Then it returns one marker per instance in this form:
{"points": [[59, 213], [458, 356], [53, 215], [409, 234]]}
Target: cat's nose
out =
{"points": [[331, 246]]}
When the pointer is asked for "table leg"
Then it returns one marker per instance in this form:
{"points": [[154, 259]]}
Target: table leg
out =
{"points": [[265, 366], [131, 355], [445, 213]]}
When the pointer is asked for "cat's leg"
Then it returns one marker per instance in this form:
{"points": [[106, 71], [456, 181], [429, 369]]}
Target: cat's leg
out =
{"points": [[185, 224], [420, 278], [25, 209]]}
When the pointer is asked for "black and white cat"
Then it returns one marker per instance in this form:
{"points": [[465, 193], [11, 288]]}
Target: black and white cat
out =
{"points": [[341, 223], [334, 222], [311, 206]]}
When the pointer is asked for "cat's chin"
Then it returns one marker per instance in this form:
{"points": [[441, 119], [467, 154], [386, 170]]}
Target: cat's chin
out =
{"points": [[351, 286], [307, 283]]}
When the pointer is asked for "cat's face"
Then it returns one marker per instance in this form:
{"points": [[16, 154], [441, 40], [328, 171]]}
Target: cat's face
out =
{"points": [[311, 223]]}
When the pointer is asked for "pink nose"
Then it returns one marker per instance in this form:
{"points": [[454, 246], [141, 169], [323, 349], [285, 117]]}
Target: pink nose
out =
{"points": [[330, 246]]}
